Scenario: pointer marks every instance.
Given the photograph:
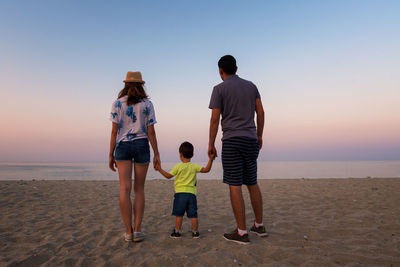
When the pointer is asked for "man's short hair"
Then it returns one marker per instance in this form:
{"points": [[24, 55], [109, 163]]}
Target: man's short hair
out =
{"points": [[186, 149], [228, 64]]}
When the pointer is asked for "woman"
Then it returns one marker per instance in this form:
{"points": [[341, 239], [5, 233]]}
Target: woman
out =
{"points": [[133, 120]]}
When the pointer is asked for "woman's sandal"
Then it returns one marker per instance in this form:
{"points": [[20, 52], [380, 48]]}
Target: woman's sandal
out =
{"points": [[128, 237], [138, 236]]}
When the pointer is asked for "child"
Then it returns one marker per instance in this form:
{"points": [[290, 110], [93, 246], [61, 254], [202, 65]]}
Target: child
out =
{"points": [[185, 188]]}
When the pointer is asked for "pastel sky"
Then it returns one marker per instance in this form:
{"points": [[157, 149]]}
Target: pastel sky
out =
{"points": [[327, 71]]}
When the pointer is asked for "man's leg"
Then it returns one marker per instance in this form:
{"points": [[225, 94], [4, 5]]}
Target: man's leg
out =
{"points": [[238, 206], [256, 202], [232, 163], [251, 150]]}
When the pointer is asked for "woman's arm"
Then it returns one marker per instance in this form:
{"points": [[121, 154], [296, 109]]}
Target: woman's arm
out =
{"points": [[151, 133], [111, 161]]}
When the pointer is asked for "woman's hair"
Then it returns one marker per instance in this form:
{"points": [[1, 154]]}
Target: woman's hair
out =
{"points": [[134, 91]]}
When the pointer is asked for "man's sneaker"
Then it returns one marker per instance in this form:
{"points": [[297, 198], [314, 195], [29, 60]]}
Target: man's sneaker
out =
{"points": [[235, 237], [138, 236], [260, 231], [175, 234], [195, 234]]}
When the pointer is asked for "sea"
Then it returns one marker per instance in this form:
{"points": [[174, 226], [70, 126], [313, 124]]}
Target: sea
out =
{"points": [[266, 170]]}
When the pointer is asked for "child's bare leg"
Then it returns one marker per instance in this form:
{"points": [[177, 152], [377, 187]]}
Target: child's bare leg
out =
{"points": [[178, 222], [195, 224]]}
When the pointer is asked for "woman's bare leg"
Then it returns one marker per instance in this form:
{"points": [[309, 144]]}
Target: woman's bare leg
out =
{"points": [[138, 187], [125, 187]]}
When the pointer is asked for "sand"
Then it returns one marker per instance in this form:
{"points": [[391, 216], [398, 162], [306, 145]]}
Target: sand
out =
{"points": [[311, 222]]}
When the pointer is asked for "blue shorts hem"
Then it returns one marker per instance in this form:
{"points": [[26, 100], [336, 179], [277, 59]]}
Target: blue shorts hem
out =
{"points": [[140, 163], [185, 203]]}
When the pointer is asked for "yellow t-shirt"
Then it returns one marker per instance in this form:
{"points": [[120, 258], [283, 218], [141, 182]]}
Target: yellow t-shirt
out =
{"points": [[185, 180]]}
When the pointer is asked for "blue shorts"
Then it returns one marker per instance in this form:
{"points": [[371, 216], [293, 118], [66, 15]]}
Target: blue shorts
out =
{"points": [[239, 160], [137, 151], [185, 202]]}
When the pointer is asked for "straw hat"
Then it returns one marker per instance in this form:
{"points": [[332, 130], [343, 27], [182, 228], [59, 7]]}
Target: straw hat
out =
{"points": [[133, 76]]}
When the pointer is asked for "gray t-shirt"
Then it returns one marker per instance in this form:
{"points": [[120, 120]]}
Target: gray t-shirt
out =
{"points": [[236, 98]]}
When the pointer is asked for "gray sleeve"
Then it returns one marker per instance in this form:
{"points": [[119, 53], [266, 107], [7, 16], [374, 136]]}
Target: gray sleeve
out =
{"points": [[215, 101], [256, 91]]}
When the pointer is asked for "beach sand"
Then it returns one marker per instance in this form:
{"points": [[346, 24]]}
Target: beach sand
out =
{"points": [[311, 222]]}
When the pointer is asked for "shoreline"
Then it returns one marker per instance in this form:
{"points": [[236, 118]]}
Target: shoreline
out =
{"points": [[266, 170]]}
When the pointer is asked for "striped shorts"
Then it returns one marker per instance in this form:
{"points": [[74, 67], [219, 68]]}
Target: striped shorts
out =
{"points": [[239, 160]]}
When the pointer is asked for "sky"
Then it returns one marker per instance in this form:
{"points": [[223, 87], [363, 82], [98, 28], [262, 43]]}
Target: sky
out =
{"points": [[327, 72]]}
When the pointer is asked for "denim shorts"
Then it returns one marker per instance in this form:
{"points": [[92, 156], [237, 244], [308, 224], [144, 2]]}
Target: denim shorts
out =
{"points": [[137, 151], [185, 202]]}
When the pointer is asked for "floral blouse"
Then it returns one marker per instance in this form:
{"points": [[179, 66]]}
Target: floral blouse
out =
{"points": [[132, 120]]}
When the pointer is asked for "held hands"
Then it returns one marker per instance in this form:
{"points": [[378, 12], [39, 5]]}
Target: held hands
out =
{"points": [[157, 162], [158, 167], [212, 152]]}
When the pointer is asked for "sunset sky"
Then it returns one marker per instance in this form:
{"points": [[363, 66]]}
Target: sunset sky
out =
{"points": [[328, 73]]}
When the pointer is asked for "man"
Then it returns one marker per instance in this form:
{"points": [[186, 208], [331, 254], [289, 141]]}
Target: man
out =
{"points": [[236, 100]]}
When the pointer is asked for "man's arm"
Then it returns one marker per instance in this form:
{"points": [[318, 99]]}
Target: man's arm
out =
{"points": [[260, 120], [214, 123]]}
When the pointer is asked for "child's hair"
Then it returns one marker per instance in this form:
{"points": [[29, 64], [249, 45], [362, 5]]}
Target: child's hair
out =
{"points": [[186, 149]]}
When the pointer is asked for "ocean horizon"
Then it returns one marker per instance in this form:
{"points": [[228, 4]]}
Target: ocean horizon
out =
{"points": [[266, 170]]}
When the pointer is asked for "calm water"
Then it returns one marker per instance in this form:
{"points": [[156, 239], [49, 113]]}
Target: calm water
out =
{"points": [[266, 170]]}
